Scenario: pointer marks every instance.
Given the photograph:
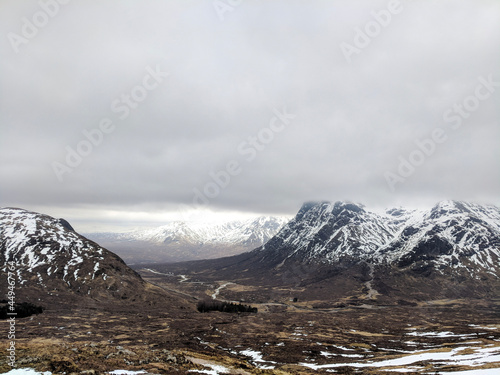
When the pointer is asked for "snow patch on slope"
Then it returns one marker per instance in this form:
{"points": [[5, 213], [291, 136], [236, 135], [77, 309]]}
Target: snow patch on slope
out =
{"points": [[34, 240]]}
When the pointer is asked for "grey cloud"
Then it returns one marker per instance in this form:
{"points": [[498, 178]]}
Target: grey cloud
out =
{"points": [[353, 120]]}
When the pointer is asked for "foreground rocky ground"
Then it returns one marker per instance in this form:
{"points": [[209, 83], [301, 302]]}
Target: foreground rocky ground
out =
{"points": [[354, 335]]}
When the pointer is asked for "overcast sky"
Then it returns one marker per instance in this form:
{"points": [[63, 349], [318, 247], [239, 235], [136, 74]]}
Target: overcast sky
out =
{"points": [[245, 107]]}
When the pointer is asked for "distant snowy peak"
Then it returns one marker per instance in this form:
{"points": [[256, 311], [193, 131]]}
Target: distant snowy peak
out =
{"points": [[48, 253], [258, 231], [455, 234], [166, 233], [250, 232]]}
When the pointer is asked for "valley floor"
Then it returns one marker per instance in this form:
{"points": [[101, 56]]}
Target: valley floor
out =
{"points": [[284, 337]]}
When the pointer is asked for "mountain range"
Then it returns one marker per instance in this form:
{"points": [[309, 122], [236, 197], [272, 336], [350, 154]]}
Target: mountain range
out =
{"points": [[451, 234], [337, 285], [450, 250], [181, 241]]}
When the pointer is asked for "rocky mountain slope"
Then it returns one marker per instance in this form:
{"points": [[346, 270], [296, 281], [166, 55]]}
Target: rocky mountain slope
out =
{"points": [[180, 241], [51, 261], [450, 250], [451, 234]]}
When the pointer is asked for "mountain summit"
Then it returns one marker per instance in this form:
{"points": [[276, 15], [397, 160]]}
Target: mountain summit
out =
{"points": [[328, 232], [49, 260]]}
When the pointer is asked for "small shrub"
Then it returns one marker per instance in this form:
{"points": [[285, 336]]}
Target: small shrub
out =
{"points": [[23, 310], [227, 307]]}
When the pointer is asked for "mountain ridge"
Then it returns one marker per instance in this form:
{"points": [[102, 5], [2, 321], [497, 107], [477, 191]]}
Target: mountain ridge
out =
{"points": [[329, 231], [180, 241]]}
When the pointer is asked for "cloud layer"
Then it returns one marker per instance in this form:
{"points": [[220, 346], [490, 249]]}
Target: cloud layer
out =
{"points": [[355, 119]]}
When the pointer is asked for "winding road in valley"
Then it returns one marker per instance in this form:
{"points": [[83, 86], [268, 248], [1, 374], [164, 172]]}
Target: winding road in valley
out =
{"points": [[217, 291]]}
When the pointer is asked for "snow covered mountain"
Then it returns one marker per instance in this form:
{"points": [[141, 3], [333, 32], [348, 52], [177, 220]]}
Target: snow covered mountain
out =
{"points": [[449, 251], [252, 232], [327, 232], [178, 241], [451, 234], [49, 258]]}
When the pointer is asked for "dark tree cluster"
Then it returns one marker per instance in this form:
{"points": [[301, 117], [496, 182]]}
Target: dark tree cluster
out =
{"points": [[22, 310], [228, 307]]}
